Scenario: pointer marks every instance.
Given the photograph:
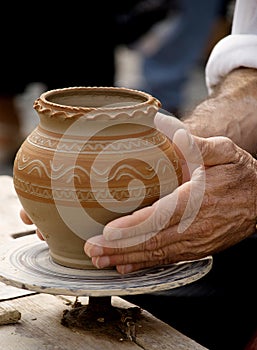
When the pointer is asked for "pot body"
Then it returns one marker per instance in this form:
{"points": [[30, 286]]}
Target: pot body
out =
{"points": [[94, 156]]}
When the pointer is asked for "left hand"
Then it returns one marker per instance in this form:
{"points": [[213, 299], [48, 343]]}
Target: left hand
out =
{"points": [[26, 219], [214, 209]]}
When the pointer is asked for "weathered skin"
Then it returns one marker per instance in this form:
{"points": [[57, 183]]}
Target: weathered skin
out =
{"points": [[228, 208]]}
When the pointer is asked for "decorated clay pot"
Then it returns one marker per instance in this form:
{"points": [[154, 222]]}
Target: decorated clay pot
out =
{"points": [[94, 156]]}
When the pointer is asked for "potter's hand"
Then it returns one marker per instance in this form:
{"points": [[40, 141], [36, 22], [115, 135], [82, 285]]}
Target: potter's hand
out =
{"points": [[26, 219], [215, 209]]}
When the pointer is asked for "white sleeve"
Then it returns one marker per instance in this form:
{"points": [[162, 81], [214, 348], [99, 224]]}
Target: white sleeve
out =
{"points": [[238, 49]]}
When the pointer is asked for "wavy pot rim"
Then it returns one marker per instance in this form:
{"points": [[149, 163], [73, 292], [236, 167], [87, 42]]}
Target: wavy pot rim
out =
{"points": [[61, 102]]}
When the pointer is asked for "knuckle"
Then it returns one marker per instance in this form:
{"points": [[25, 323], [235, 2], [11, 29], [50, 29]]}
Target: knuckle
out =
{"points": [[159, 254], [152, 243]]}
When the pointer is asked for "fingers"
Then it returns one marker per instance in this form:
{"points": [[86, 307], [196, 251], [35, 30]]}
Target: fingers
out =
{"points": [[39, 234], [196, 150], [25, 218], [130, 225], [178, 208], [123, 269], [168, 125], [138, 232], [145, 240], [143, 223], [147, 255], [139, 261], [217, 150], [98, 245], [138, 256], [187, 149]]}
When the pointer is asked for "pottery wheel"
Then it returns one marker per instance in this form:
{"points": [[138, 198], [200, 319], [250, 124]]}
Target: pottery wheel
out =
{"points": [[26, 263]]}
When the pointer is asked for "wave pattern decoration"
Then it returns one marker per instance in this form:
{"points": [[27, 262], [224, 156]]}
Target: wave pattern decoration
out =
{"points": [[87, 195], [69, 173], [42, 140]]}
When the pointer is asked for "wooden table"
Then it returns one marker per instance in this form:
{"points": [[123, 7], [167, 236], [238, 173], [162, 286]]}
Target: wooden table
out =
{"points": [[31, 321]]}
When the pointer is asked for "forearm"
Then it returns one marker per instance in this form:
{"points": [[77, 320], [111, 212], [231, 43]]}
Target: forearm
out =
{"points": [[231, 110]]}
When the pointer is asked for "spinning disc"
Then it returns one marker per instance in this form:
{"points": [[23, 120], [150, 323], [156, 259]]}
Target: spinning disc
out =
{"points": [[26, 264]]}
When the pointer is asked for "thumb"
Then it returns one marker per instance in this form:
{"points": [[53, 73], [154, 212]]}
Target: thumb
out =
{"points": [[206, 151], [217, 150], [168, 124], [196, 150]]}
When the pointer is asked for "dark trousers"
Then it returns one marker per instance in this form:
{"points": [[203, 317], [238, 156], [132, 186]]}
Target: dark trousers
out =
{"points": [[218, 311]]}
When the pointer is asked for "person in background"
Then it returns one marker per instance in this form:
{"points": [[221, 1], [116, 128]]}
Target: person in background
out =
{"points": [[176, 45]]}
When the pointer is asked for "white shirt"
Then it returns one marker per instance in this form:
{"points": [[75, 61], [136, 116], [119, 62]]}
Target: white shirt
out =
{"points": [[239, 49]]}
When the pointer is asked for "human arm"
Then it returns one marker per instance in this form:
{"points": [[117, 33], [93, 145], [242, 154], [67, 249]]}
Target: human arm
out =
{"points": [[228, 205], [231, 80], [231, 110], [227, 212]]}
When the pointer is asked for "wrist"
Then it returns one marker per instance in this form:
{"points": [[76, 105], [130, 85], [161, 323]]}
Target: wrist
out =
{"points": [[230, 111]]}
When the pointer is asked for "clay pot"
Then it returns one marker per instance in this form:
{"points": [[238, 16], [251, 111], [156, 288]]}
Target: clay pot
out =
{"points": [[94, 156]]}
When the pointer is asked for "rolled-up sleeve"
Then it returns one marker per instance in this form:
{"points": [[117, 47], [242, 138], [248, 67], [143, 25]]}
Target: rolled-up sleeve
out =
{"points": [[239, 49]]}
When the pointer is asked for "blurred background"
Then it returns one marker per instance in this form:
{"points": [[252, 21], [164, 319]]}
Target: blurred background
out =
{"points": [[159, 46]]}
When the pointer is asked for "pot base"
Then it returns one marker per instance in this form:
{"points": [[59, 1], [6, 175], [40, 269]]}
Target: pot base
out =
{"points": [[83, 263]]}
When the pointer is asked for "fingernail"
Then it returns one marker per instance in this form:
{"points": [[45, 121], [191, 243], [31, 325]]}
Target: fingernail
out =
{"points": [[124, 268], [101, 261], [111, 233], [93, 251]]}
